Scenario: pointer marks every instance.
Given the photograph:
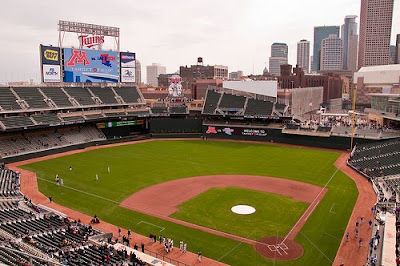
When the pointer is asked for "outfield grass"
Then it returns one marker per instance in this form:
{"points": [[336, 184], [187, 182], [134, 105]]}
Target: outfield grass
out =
{"points": [[134, 167], [275, 214]]}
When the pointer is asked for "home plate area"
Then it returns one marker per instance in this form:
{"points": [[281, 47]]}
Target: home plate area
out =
{"points": [[274, 248]]}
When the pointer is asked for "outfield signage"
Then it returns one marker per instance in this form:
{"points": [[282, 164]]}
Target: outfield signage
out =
{"points": [[50, 63], [128, 67], [82, 65], [50, 55], [51, 73], [128, 59], [237, 131], [120, 123]]}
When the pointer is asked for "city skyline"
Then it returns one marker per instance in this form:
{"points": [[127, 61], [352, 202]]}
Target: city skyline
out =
{"points": [[241, 38]]}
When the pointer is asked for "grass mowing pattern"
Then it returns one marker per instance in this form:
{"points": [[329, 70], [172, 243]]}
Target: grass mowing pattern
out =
{"points": [[274, 213], [134, 167]]}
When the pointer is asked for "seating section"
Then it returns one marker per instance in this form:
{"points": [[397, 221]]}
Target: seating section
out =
{"points": [[9, 184], [129, 94], [159, 110], [116, 114], [57, 96], [32, 97], [138, 112], [16, 122], [231, 104], [8, 100], [230, 101], [258, 108], [280, 107], [92, 255], [94, 116], [47, 119], [178, 109], [292, 126], [377, 159], [38, 141], [211, 102], [73, 118], [81, 95], [9, 256], [324, 129], [106, 95]]}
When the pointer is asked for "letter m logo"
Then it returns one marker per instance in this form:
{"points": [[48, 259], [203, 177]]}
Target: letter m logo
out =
{"points": [[78, 57]]}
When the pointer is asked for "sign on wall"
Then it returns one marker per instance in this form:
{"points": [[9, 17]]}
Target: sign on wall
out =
{"points": [[90, 65], [50, 63], [128, 75], [128, 67], [238, 131], [51, 73], [128, 59], [50, 55]]}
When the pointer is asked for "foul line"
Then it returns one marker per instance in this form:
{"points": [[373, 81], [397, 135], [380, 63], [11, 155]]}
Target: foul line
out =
{"points": [[316, 197], [235, 247], [316, 247], [332, 236], [144, 222], [81, 191], [332, 208]]}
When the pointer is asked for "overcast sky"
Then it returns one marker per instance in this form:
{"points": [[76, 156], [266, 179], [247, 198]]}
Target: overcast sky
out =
{"points": [[171, 32]]}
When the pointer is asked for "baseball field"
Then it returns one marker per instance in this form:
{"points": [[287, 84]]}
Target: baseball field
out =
{"points": [[137, 168]]}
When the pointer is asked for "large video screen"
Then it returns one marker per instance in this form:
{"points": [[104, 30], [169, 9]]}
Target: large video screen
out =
{"points": [[90, 65]]}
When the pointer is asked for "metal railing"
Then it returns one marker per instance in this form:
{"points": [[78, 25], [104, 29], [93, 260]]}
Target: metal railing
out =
{"points": [[165, 258]]}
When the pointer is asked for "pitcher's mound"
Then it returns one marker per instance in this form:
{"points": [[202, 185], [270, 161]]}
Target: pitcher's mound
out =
{"points": [[273, 248]]}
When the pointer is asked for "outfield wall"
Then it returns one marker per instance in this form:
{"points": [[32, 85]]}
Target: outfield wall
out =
{"points": [[187, 125], [275, 135], [23, 157]]}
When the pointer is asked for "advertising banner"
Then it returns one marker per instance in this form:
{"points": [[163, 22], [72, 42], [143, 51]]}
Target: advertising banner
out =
{"points": [[238, 131], [128, 59], [120, 123], [50, 55], [51, 73], [90, 66], [128, 74]]}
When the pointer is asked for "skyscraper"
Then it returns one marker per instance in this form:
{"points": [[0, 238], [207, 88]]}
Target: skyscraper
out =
{"points": [[398, 49], [321, 33], [350, 43], [279, 56], [331, 53], [375, 31], [303, 55], [153, 72], [392, 55], [138, 72]]}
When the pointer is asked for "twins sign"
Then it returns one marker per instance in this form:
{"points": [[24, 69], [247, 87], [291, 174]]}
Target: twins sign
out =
{"points": [[90, 66]]}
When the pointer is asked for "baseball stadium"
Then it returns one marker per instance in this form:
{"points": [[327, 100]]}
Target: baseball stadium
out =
{"points": [[96, 170]]}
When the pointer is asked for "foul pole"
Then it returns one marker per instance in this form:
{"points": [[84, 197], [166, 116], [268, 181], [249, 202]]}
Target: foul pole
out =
{"points": [[353, 116]]}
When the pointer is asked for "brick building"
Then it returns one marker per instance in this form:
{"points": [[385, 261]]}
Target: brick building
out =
{"points": [[190, 74]]}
